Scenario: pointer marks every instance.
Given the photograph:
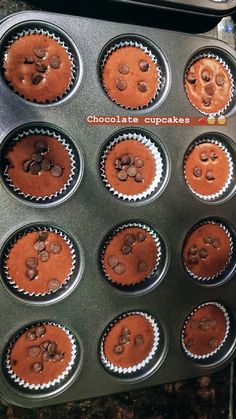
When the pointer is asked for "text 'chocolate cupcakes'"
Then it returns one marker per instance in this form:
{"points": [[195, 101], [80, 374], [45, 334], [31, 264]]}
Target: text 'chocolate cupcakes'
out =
{"points": [[205, 332], [40, 262], [38, 65], [41, 357], [133, 257], [39, 165], [209, 168], [133, 166], [209, 83], [130, 344], [208, 252], [131, 74]]}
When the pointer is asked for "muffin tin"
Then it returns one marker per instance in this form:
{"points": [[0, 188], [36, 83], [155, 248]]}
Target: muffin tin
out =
{"points": [[91, 212]]}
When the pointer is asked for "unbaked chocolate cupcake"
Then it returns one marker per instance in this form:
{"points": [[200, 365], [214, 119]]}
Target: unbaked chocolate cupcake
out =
{"points": [[209, 84], [40, 165], [132, 166], [131, 75], [41, 357], [38, 66], [205, 331], [39, 261], [129, 344]]}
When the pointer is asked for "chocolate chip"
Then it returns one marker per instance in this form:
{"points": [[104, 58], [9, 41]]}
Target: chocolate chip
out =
{"points": [[203, 253], [119, 269], [31, 273], [141, 237], [122, 175], [206, 101], [197, 171], [41, 146], [213, 343], [37, 367], [44, 345], [113, 261], [26, 165], [46, 165], [139, 162], [56, 170], [58, 356], [216, 243], [36, 79], [131, 158], [39, 245], [118, 349], [42, 236], [39, 52], [44, 255], [52, 347], [124, 69], [40, 331], [131, 171], [139, 178], [142, 86], [210, 175], [205, 75], [126, 249], [34, 168], [143, 65], [37, 157], [142, 266], [208, 239], [41, 68], [55, 62], [193, 250], [55, 247], [130, 238], [32, 262], [203, 324], [192, 260], [191, 78], [125, 332], [28, 59], [209, 89], [121, 84], [34, 351], [203, 157], [220, 80], [53, 284], [31, 335], [118, 165], [125, 159], [213, 155], [139, 340], [194, 324], [189, 343], [124, 340], [46, 356]]}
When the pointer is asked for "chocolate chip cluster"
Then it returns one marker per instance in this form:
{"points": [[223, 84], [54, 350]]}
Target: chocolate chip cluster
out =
{"points": [[129, 241], [127, 167], [204, 324], [195, 254], [39, 161], [40, 68], [124, 339], [206, 158], [43, 256], [124, 69], [47, 350]]}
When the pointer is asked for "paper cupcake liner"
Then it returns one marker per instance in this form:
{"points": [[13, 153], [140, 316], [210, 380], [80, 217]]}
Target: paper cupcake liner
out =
{"points": [[24, 233], [218, 274], [138, 367], [47, 133], [147, 51], [210, 354], [232, 90], [231, 169], [24, 384], [155, 154], [57, 39], [158, 247]]}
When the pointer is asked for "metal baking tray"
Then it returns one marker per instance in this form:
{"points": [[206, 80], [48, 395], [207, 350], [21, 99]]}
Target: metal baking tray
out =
{"points": [[91, 211]]}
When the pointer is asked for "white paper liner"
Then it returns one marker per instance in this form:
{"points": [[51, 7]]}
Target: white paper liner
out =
{"points": [[22, 383], [210, 354], [222, 191], [57, 39], [130, 370], [147, 51], [155, 154], [158, 247], [24, 233], [232, 90], [206, 279], [47, 133]]}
